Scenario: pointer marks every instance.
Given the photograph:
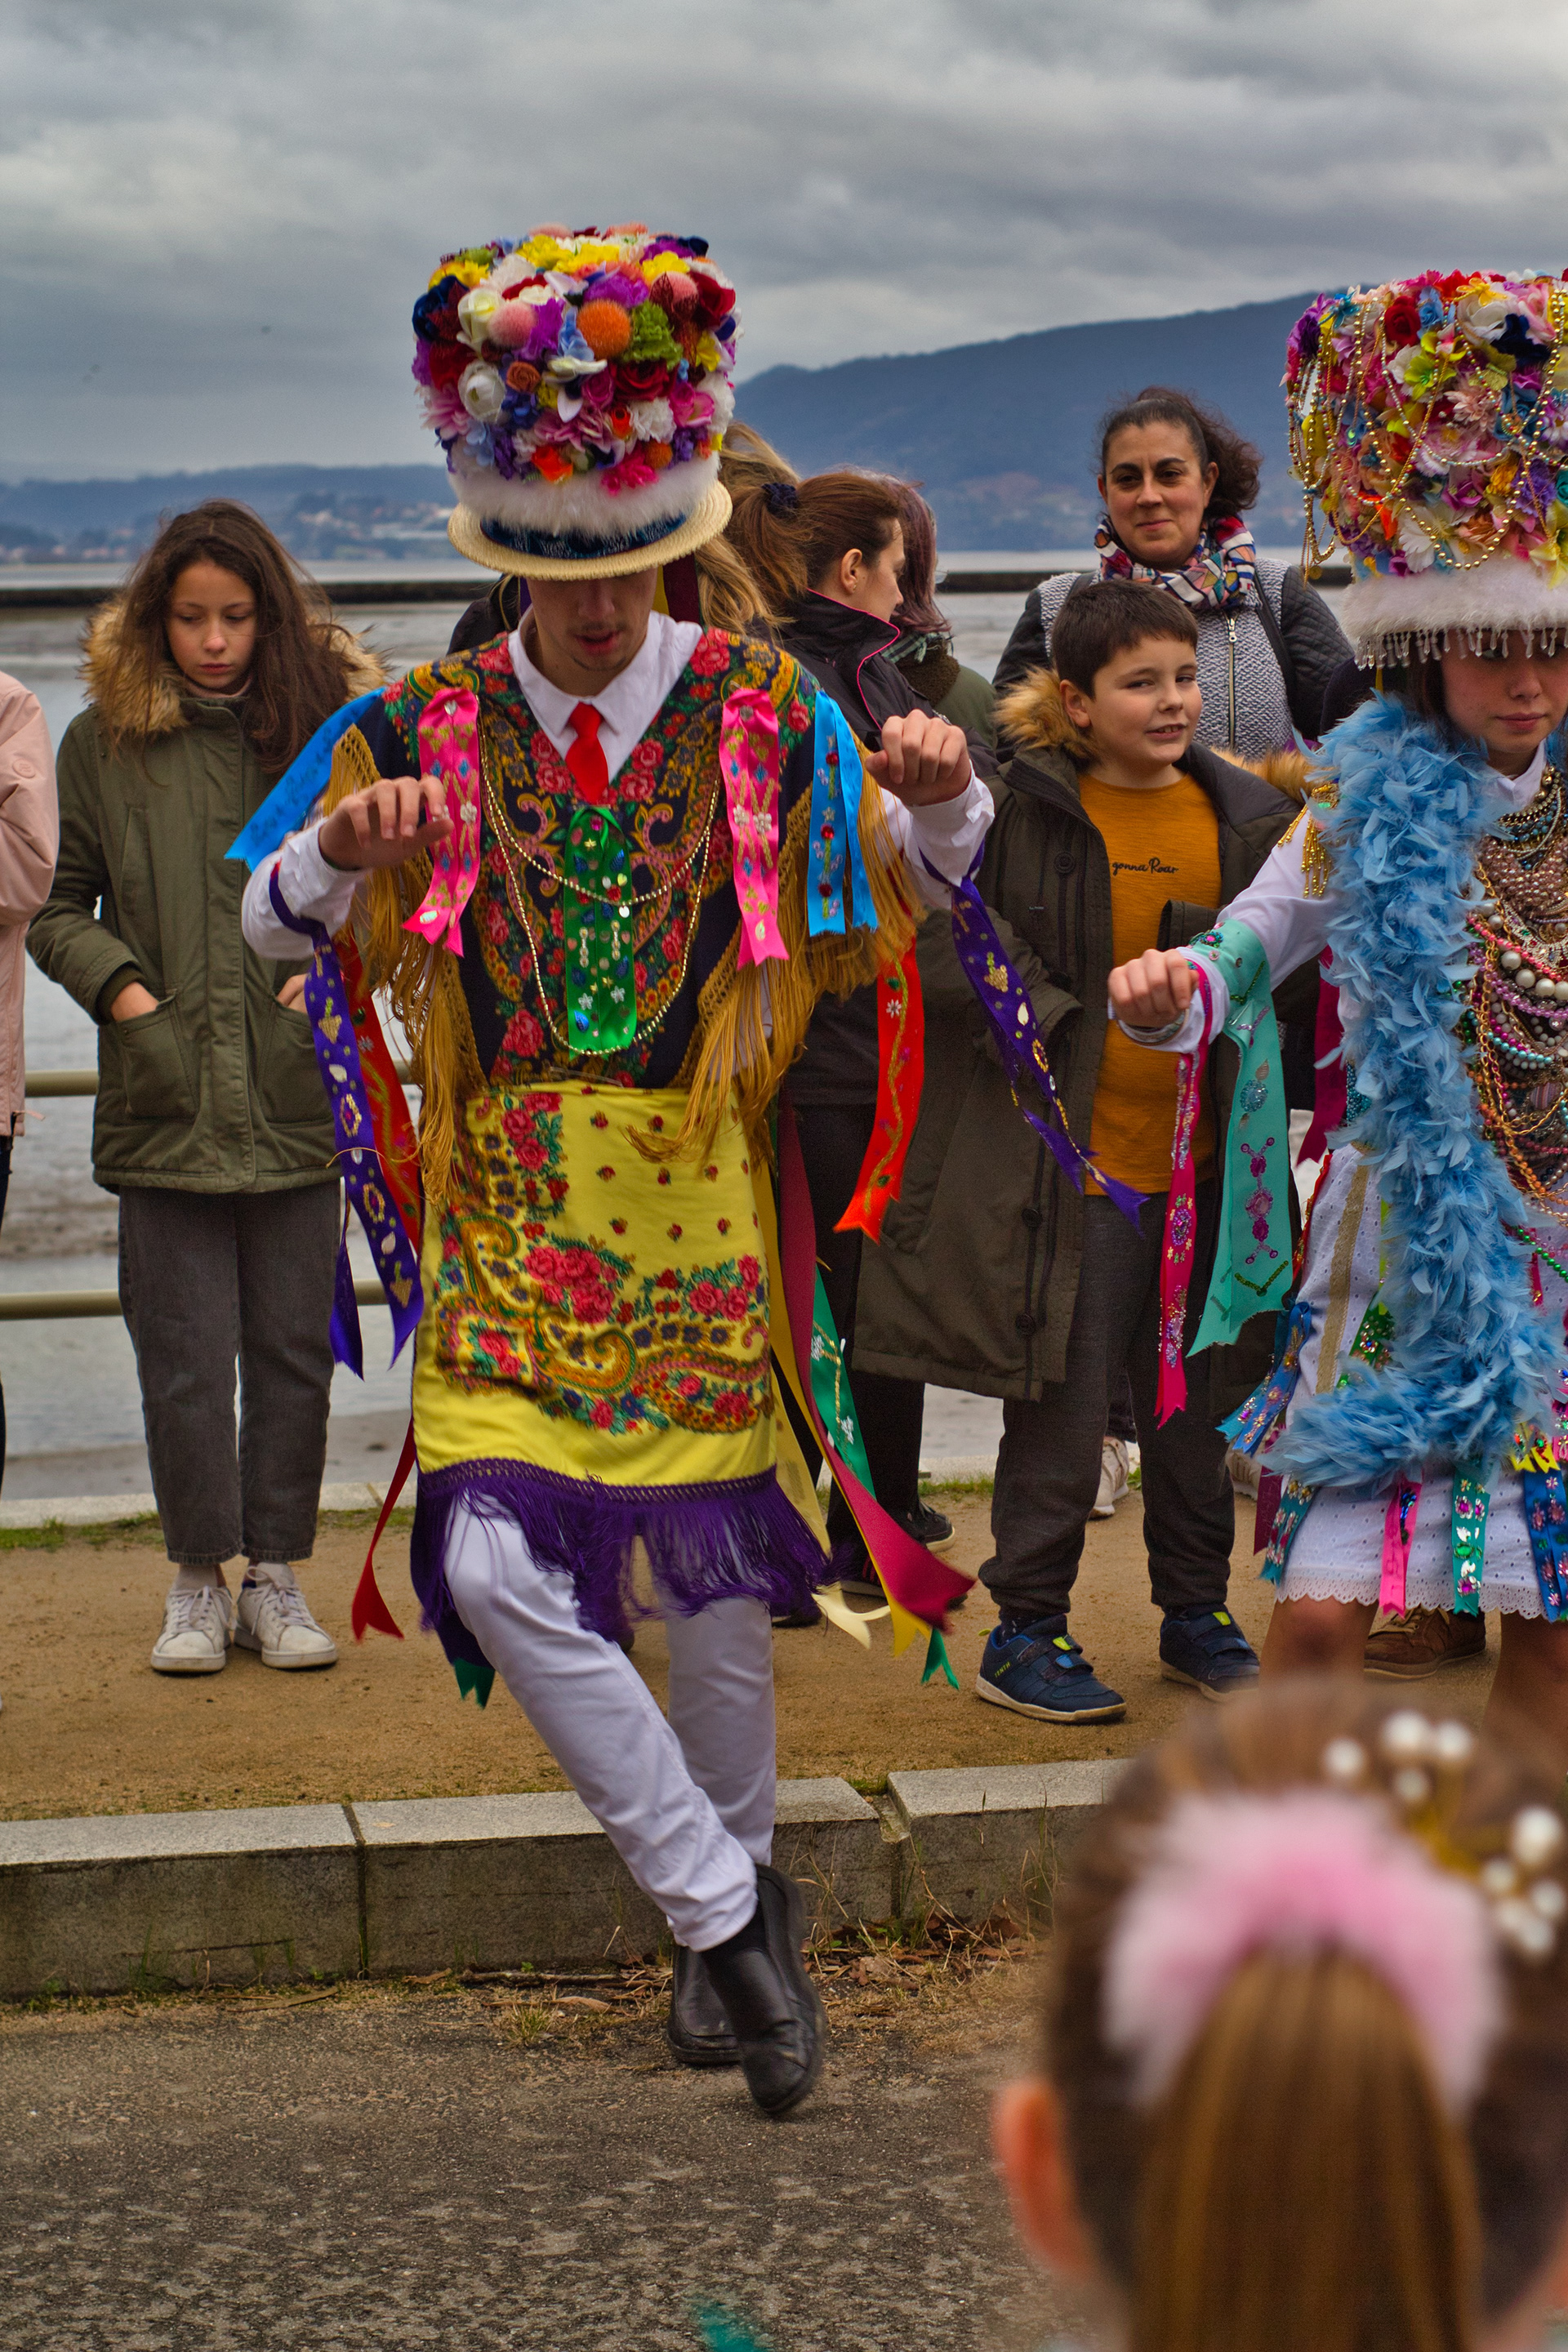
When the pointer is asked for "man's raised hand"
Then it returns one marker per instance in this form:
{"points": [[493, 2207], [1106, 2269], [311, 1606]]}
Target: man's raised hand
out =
{"points": [[385, 823], [1153, 989], [922, 759]]}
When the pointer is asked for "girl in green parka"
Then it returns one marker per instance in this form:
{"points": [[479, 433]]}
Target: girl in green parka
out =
{"points": [[206, 674]]}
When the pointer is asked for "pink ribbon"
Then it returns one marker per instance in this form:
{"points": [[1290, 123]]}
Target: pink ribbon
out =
{"points": [[1398, 1528], [449, 755], [749, 761], [1181, 1223]]}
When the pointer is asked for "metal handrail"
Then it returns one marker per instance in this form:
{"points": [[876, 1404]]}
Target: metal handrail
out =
{"points": [[70, 1306], [47, 1086]]}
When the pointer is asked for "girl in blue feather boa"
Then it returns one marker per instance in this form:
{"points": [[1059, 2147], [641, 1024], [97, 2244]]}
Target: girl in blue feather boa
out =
{"points": [[1423, 1419]]}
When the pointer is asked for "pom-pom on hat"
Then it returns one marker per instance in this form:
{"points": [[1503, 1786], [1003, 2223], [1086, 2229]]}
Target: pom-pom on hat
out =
{"points": [[1429, 419], [579, 382]]}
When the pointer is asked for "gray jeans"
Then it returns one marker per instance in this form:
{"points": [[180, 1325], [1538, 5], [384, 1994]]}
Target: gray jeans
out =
{"points": [[1048, 1471], [204, 1279]]}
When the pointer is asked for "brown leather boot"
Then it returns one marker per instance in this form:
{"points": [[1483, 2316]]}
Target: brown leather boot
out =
{"points": [[1418, 1642]]}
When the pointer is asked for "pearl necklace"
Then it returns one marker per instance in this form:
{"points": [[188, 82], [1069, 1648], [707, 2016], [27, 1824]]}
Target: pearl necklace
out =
{"points": [[1517, 1000]]}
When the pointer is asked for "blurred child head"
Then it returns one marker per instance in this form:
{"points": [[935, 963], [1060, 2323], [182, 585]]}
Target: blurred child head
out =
{"points": [[1306, 2078]]}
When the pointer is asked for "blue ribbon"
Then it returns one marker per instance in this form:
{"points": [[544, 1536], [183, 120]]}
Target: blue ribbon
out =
{"points": [[1250, 1423], [336, 1058], [836, 778], [299, 788], [1546, 1518]]}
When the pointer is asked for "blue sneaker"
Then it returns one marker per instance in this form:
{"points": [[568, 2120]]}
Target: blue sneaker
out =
{"points": [[1038, 1669], [1206, 1649]]}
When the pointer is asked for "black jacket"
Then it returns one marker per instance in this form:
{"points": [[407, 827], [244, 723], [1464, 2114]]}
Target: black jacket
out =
{"points": [[845, 650]]}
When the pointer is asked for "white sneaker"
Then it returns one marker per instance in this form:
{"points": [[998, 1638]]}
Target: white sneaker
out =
{"points": [[1245, 1472], [1114, 1463], [274, 1619], [198, 1626]]}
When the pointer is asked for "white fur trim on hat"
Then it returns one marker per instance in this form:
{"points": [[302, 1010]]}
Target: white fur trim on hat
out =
{"points": [[1386, 614]]}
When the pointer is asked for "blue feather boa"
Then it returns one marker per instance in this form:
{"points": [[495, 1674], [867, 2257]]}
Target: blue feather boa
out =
{"points": [[1472, 1355]]}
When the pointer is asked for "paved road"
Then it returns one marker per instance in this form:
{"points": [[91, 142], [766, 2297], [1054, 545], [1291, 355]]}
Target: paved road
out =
{"points": [[392, 2169]]}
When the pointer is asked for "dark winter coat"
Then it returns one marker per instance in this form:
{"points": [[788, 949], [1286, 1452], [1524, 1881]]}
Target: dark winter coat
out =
{"points": [[976, 1280], [1262, 668], [846, 651], [217, 1091]]}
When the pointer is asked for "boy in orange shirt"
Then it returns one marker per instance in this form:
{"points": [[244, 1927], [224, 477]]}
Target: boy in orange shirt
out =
{"points": [[1126, 688]]}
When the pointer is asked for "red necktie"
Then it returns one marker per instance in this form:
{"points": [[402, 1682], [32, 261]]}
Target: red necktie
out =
{"points": [[586, 761]]}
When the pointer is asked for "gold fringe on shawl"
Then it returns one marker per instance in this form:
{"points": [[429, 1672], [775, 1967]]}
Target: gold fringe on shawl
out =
{"points": [[421, 982], [732, 1052]]}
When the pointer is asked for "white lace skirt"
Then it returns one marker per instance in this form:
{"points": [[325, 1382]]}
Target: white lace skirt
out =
{"points": [[1338, 1551]]}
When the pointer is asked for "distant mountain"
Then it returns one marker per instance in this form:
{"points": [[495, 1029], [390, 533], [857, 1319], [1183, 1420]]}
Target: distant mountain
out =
{"points": [[1002, 434], [320, 512]]}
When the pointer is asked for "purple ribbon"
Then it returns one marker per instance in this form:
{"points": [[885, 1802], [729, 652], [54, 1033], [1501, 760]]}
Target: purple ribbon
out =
{"points": [[1005, 1002], [336, 1058]]}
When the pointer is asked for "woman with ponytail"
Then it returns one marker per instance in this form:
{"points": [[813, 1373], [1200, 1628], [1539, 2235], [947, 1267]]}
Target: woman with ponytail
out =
{"points": [[827, 558], [1305, 2086]]}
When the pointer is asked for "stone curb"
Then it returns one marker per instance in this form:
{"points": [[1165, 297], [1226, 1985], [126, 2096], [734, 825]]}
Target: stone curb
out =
{"points": [[149, 1901]]}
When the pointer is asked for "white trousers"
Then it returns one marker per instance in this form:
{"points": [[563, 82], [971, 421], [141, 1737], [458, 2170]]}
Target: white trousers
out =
{"points": [[687, 1804]]}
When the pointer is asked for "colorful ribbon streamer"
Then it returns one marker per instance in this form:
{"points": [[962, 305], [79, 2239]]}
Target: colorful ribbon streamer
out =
{"points": [[920, 1587], [1005, 1001], [1471, 1506], [748, 762], [299, 788], [597, 927], [393, 1255], [449, 755], [397, 1146], [1253, 1257], [1294, 1503], [901, 1076], [1250, 1423], [835, 840], [1179, 1239], [1398, 1528]]}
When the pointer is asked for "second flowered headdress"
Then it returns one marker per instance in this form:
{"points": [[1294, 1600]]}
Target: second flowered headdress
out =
{"points": [[1429, 419], [579, 382]]}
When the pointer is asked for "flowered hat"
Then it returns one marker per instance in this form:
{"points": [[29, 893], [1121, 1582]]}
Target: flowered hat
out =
{"points": [[1429, 419], [579, 384]]}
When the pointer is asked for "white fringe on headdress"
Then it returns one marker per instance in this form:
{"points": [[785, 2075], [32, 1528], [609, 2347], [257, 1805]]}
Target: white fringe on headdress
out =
{"points": [[582, 506], [1386, 614]]}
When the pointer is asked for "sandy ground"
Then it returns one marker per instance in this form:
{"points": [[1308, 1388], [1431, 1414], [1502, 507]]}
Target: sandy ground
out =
{"points": [[87, 1728]]}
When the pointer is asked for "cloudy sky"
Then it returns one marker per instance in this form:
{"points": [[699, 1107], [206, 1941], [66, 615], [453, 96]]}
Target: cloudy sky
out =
{"points": [[215, 214]]}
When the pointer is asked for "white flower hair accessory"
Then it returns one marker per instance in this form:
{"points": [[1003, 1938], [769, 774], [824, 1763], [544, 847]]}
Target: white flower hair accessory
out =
{"points": [[1366, 1866]]}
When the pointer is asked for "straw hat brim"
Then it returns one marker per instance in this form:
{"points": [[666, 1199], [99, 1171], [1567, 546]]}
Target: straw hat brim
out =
{"points": [[706, 520]]}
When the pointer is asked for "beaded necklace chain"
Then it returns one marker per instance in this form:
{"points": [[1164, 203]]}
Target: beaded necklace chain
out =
{"points": [[1517, 1000]]}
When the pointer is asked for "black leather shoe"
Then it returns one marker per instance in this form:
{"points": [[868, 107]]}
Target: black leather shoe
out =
{"points": [[770, 2002], [698, 2029]]}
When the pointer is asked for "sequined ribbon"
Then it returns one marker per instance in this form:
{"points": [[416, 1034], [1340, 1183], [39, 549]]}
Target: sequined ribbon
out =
{"points": [[900, 1076], [1398, 1528], [835, 840], [1294, 1503], [393, 1253], [596, 919], [299, 787], [1470, 1506], [1545, 1518], [1249, 1424], [1181, 1223], [1252, 1261], [449, 755], [748, 762], [1005, 1001]]}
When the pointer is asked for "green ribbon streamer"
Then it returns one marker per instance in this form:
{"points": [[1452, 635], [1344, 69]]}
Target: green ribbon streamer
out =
{"points": [[1252, 1262], [937, 1659], [475, 1681], [600, 989], [830, 1387], [1470, 1507]]}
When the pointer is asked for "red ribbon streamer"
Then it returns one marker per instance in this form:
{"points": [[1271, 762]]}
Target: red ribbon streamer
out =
{"points": [[900, 1074], [1181, 1226], [913, 1577], [368, 1607]]}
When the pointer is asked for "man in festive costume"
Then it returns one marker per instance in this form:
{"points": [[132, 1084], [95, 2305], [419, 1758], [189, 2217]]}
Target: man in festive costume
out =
{"points": [[1418, 1411], [588, 847]]}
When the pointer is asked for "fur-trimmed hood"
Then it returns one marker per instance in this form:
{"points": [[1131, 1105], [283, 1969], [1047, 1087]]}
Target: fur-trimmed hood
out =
{"points": [[141, 708], [1033, 717]]}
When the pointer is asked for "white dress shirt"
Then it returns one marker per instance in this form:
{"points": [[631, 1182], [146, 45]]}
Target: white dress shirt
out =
{"points": [[946, 832]]}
